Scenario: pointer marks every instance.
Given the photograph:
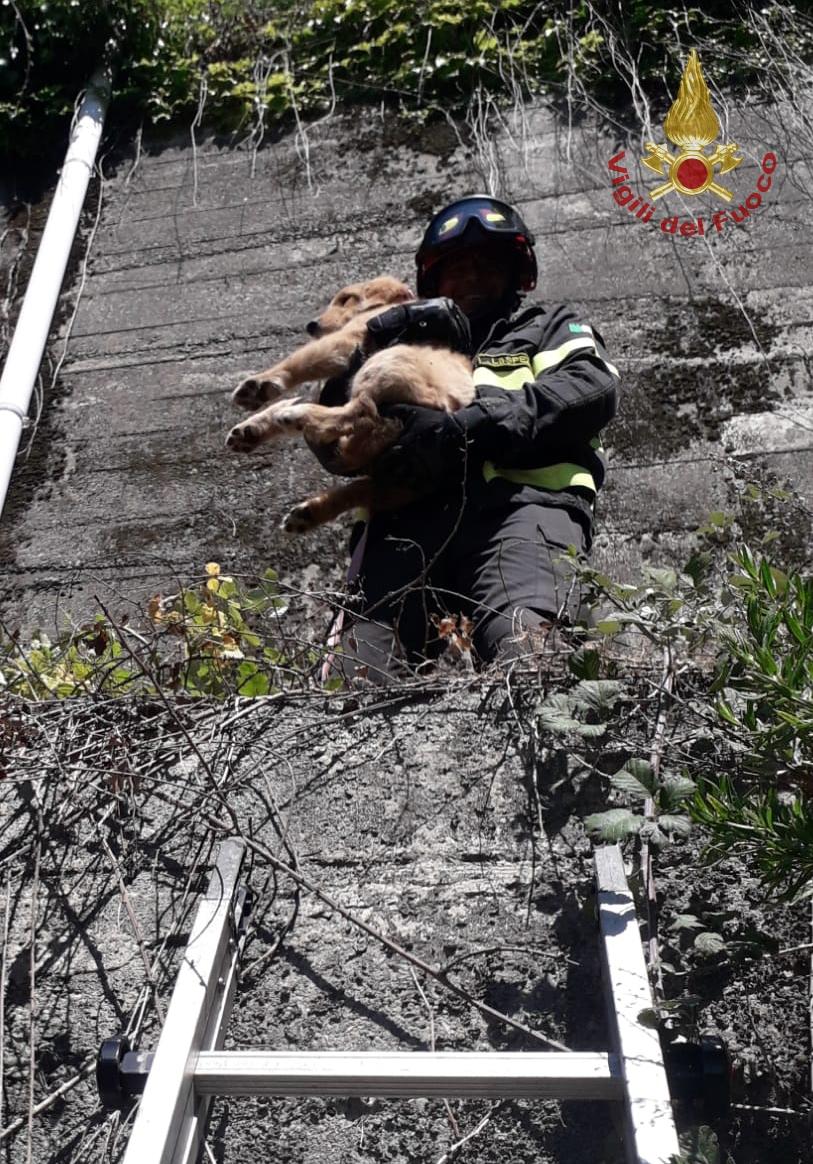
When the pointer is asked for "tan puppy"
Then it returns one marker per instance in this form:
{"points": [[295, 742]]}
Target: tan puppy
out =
{"points": [[424, 374]]}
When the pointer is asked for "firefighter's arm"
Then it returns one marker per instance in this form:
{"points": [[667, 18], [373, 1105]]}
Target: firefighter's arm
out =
{"points": [[566, 398]]}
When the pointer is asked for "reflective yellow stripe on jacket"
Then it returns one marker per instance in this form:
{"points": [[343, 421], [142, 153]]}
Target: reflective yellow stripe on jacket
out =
{"points": [[513, 376], [499, 373], [563, 475], [545, 361]]}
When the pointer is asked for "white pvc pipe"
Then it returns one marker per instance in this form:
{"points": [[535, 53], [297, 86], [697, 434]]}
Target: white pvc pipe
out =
{"points": [[34, 323]]}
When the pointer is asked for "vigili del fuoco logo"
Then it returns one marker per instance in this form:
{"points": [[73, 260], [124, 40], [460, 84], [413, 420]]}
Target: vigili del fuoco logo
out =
{"points": [[692, 125]]}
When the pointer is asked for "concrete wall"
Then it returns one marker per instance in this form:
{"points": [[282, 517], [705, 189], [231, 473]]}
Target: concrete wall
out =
{"points": [[436, 819], [206, 263]]}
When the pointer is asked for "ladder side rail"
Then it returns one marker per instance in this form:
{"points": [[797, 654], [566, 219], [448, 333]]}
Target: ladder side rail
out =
{"points": [[167, 1120], [651, 1136], [189, 1144]]}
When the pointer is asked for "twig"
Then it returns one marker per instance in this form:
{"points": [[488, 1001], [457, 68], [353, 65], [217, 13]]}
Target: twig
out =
{"points": [[431, 1012], [301, 141], [150, 674], [137, 160], [455, 1148], [429, 1009], [769, 1110], [139, 937], [32, 972], [196, 121], [49, 1101], [535, 950], [269, 954], [793, 949], [3, 954]]}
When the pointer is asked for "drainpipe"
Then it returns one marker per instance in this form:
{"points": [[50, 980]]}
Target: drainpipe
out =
{"points": [[31, 333]]}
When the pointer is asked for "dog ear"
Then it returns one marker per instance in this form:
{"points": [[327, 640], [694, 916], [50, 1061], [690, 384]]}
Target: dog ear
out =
{"points": [[385, 292], [404, 295]]}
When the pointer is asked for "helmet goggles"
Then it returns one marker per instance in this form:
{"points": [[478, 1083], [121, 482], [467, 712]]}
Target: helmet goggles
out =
{"points": [[494, 217]]}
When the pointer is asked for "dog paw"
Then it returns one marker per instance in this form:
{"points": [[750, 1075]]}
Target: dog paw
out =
{"points": [[290, 416], [253, 392], [298, 520], [244, 437]]}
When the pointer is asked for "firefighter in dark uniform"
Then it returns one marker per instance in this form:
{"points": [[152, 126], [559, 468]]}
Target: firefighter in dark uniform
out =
{"points": [[509, 482]]}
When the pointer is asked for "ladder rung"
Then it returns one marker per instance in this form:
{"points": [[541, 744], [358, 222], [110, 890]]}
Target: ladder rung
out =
{"points": [[450, 1074]]}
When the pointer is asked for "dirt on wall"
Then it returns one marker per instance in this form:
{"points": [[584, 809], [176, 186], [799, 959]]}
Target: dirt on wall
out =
{"points": [[443, 821]]}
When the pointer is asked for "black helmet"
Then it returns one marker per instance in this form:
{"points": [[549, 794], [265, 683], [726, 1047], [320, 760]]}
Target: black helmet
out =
{"points": [[466, 223]]}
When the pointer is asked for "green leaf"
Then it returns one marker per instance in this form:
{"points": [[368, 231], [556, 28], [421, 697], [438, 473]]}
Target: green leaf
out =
{"points": [[585, 663], [613, 825], [626, 781], [251, 681], [591, 731], [227, 587], [664, 578], [725, 712], [801, 634], [608, 626], [698, 1146], [708, 944], [685, 921], [556, 714], [636, 778], [674, 791], [599, 695]]}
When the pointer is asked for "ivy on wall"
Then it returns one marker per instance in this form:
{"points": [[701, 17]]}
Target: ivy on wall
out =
{"points": [[236, 63]]}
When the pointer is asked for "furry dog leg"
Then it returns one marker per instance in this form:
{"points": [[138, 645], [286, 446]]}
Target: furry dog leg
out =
{"points": [[357, 427], [327, 505], [362, 493], [318, 360]]}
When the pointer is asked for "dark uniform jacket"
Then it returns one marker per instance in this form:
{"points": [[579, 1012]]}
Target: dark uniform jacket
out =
{"points": [[544, 391], [547, 388]]}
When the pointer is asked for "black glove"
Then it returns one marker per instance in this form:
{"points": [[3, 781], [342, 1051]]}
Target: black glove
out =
{"points": [[431, 451], [438, 321]]}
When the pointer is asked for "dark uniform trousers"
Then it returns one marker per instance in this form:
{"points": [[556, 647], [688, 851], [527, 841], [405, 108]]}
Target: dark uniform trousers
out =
{"points": [[508, 570]]}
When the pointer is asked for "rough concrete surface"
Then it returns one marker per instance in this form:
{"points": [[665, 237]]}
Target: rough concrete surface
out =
{"points": [[434, 819], [204, 264], [446, 823]]}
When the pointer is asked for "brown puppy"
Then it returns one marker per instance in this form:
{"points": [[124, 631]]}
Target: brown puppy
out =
{"points": [[425, 374]]}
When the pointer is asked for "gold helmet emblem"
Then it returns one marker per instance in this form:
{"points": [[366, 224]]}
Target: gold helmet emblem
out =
{"points": [[691, 124]]}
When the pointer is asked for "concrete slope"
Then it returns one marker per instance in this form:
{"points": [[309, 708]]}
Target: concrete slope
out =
{"points": [[205, 263]]}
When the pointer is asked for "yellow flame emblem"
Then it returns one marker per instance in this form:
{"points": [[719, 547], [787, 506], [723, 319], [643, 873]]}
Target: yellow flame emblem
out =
{"points": [[691, 124]]}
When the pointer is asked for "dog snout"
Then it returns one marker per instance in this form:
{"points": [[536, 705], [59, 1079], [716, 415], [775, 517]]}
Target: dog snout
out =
{"points": [[313, 328]]}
